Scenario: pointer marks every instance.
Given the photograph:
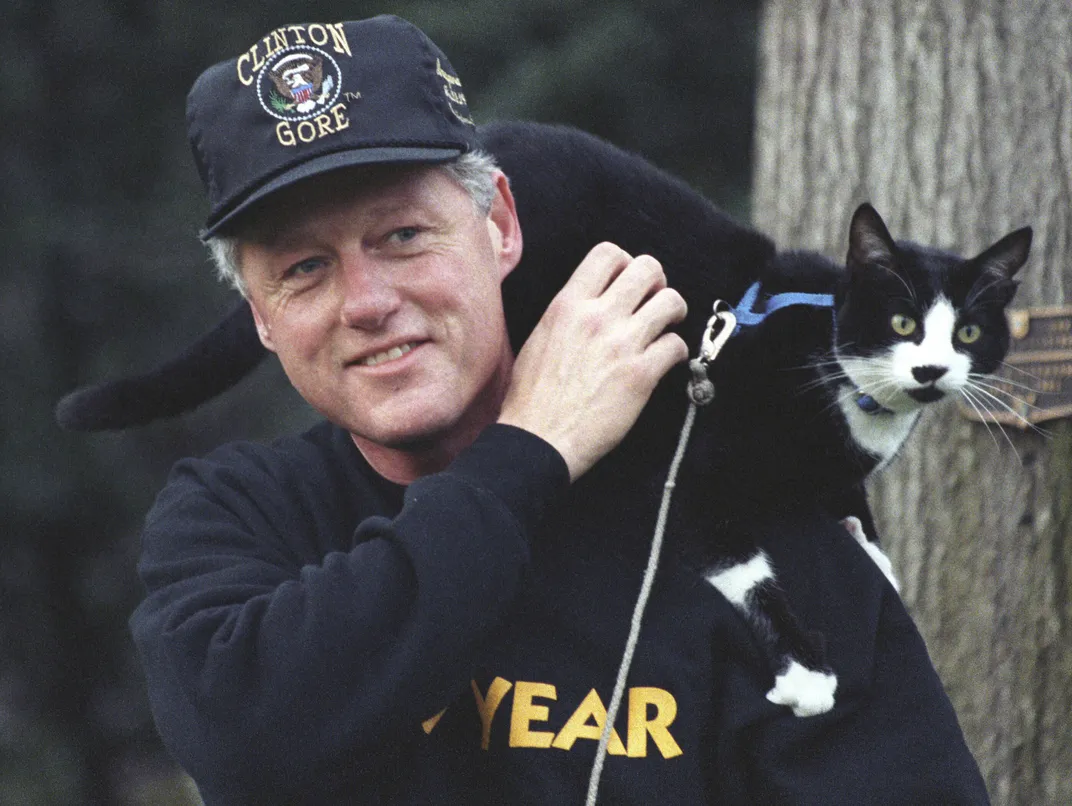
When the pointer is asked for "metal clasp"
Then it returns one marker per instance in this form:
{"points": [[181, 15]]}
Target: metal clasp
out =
{"points": [[718, 331]]}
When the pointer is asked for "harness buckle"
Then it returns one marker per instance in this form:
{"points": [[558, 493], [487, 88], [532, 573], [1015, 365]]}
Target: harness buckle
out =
{"points": [[718, 331]]}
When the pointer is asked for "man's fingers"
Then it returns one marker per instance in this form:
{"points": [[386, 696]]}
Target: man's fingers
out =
{"points": [[665, 308], [597, 353], [666, 351], [639, 280], [623, 282], [600, 267]]}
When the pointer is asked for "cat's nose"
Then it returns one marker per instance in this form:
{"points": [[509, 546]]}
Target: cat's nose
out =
{"points": [[928, 374]]}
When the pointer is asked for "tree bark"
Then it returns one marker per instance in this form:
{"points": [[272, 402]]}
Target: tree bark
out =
{"points": [[955, 120]]}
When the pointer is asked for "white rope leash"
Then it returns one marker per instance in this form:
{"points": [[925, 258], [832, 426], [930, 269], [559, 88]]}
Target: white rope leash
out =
{"points": [[701, 392], [638, 610]]}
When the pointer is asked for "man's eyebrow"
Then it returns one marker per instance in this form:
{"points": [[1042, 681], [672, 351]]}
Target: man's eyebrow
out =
{"points": [[393, 202], [276, 226], [282, 237]]}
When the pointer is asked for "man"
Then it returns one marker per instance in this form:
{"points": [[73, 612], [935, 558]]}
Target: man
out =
{"points": [[407, 603]]}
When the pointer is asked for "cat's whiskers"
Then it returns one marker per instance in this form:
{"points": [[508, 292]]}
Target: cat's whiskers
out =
{"points": [[833, 362], [878, 389], [981, 388], [850, 395], [983, 411], [835, 404], [866, 388], [976, 293], [865, 373], [978, 377], [820, 363], [824, 378], [1022, 371], [805, 388], [911, 291]]}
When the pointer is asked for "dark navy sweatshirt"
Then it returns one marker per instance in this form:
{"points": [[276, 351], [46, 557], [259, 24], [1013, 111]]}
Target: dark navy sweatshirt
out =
{"points": [[314, 634]]}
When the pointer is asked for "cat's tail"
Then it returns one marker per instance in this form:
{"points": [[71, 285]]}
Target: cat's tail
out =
{"points": [[212, 364]]}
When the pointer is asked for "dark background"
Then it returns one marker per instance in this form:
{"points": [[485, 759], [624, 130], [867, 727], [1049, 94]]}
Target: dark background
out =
{"points": [[105, 276]]}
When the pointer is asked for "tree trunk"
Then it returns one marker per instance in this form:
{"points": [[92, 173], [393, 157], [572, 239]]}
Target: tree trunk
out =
{"points": [[955, 120]]}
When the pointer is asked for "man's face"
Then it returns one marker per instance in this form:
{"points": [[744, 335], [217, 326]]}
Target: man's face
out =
{"points": [[379, 290]]}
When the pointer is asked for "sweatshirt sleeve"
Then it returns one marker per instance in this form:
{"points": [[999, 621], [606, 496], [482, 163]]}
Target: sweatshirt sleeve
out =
{"points": [[268, 666]]}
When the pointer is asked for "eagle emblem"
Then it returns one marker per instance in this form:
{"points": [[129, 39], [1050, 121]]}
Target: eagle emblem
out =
{"points": [[297, 82]]}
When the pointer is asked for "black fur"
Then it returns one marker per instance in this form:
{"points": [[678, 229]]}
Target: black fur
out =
{"points": [[773, 441], [209, 367]]}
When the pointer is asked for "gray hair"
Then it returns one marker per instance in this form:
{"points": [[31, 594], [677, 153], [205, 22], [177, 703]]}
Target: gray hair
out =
{"points": [[474, 171]]}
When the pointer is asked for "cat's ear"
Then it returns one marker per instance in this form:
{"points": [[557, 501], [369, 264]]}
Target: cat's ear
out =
{"points": [[870, 242], [1005, 258]]}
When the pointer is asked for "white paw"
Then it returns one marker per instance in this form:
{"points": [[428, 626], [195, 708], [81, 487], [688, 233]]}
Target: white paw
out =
{"points": [[807, 691], [854, 526], [878, 556]]}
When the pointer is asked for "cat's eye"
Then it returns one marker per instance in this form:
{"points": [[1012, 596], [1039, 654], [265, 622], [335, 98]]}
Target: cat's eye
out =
{"points": [[903, 325], [969, 333]]}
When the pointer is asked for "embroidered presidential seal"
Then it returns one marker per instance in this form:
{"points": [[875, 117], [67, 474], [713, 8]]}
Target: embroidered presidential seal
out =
{"points": [[298, 83]]}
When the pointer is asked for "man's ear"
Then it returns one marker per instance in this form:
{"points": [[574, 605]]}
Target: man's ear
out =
{"points": [[504, 227], [264, 332]]}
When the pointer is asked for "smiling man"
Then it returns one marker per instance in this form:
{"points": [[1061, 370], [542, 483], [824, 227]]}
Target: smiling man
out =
{"points": [[378, 288], [413, 602], [312, 605]]}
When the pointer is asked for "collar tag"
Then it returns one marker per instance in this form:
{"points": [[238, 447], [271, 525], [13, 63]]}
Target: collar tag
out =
{"points": [[868, 405]]}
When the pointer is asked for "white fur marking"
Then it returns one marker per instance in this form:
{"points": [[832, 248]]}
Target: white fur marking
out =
{"points": [[855, 528], [936, 350], [879, 434], [738, 580], [807, 691], [887, 376]]}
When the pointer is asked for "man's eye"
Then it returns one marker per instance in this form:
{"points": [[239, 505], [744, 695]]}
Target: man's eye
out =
{"points": [[304, 267], [405, 234]]}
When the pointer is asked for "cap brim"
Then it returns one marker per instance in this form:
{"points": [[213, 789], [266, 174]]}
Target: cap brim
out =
{"points": [[331, 162]]}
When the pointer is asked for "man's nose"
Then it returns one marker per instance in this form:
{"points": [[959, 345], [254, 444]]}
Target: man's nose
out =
{"points": [[369, 296]]}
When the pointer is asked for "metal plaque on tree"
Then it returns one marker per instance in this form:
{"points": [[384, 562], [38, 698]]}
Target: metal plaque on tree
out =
{"points": [[1035, 382]]}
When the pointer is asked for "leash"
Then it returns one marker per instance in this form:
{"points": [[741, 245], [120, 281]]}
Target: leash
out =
{"points": [[724, 324], [701, 391]]}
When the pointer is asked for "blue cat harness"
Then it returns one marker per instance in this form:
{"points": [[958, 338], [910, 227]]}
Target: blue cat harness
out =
{"points": [[749, 313]]}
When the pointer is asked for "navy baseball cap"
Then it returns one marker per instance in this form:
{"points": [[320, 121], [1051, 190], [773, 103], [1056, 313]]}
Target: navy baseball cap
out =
{"points": [[314, 97]]}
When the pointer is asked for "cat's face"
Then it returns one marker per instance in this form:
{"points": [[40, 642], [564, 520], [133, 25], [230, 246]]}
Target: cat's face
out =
{"points": [[914, 324]]}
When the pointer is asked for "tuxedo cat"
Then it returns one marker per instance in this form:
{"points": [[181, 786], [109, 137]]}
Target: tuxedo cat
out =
{"points": [[815, 398], [808, 402]]}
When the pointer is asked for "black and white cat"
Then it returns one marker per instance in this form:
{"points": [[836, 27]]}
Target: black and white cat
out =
{"points": [[909, 326], [809, 402]]}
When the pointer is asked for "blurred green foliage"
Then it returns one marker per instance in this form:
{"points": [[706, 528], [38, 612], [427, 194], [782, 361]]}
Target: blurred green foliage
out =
{"points": [[106, 276]]}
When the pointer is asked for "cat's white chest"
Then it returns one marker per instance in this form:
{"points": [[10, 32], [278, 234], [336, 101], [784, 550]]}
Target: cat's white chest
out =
{"points": [[880, 434]]}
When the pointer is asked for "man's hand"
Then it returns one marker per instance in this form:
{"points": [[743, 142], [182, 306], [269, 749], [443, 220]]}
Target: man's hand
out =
{"points": [[585, 373]]}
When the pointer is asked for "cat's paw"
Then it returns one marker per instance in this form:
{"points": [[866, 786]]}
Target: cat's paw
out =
{"points": [[808, 692], [855, 528]]}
